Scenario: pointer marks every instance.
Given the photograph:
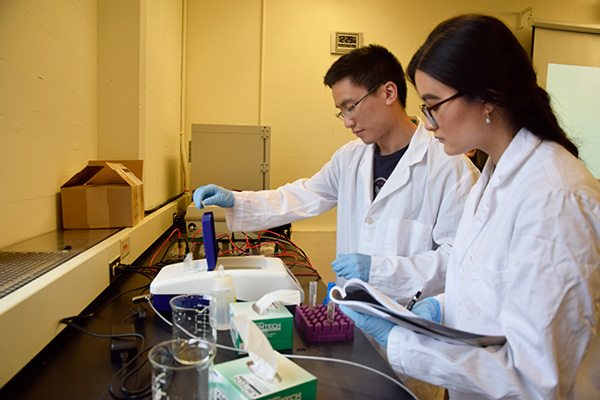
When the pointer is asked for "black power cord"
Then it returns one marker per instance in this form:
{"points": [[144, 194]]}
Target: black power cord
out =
{"points": [[128, 393]]}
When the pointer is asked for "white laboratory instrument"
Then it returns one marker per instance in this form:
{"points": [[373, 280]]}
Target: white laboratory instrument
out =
{"points": [[253, 277]]}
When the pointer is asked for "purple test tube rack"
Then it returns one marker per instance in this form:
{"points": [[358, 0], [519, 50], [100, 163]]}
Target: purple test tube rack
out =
{"points": [[312, 324]]}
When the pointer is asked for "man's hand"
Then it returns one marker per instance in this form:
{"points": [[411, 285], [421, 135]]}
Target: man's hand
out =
{"points": [[213, 195]]}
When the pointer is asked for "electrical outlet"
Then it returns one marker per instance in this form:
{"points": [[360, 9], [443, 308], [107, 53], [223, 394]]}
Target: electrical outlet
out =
{"points": [[113, 271], [125, 247]]}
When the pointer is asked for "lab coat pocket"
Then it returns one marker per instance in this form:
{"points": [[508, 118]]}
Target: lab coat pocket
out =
{"points": [[488, 267], [484, 275], [405, 237]]}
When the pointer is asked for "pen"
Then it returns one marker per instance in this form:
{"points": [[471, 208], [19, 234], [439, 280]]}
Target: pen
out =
{"points": [[412, 301]]}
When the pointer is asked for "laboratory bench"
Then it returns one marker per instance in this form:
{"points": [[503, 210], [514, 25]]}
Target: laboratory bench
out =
{"points": [[77, 365]]}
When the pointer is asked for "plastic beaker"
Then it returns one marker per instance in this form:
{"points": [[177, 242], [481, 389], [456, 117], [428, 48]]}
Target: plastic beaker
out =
{"points": [[193, 316], [181, 369]]}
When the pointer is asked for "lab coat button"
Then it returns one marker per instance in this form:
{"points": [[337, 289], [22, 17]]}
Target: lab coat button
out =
{"points": [[369, 221]]}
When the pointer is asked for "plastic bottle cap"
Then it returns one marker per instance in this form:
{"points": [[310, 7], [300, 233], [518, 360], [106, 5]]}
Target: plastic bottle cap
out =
{"points": [[222, 279]]}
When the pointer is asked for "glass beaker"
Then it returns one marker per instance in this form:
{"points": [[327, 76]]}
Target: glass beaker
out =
{"points": [[193, 316], [181, 369]]}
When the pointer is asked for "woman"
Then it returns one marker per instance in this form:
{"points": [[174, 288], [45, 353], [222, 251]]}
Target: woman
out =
{"points": [[525, 262]]}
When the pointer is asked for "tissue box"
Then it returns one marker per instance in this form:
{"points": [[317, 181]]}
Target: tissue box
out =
{"points": [[276, 324], [233, 380]]}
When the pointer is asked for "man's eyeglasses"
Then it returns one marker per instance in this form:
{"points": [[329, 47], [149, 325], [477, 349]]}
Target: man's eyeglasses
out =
{"points": [[348, 112], [428, 109]]}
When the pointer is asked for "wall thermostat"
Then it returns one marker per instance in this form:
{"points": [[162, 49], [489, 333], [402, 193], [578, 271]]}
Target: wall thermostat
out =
{"points": [[345, 42]]}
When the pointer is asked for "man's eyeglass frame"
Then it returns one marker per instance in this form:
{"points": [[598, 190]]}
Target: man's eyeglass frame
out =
{"points": [[347, 113]]}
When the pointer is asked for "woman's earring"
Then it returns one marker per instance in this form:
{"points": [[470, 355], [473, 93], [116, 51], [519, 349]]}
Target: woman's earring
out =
{"points": [[487, 118]]}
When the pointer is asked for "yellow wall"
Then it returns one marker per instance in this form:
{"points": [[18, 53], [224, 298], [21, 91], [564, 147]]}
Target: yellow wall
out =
{"points": [[118, 41], [161, 88], [47, 108], [103, 79], [139, 90], [223, 62]]}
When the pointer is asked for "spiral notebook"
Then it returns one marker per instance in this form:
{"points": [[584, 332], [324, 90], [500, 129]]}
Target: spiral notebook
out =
{"points": [[364, 298]]}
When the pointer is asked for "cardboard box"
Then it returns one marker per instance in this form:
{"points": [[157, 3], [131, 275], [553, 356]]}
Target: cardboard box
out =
{"points": [[233, 380], [276, 324], [105, 194]]}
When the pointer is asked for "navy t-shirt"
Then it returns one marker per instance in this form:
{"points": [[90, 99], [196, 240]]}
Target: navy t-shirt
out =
{"points": [[383, 167]]}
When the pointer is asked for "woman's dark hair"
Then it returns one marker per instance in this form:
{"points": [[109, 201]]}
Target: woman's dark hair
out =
{"points": [[480, 57], [368, 67]]}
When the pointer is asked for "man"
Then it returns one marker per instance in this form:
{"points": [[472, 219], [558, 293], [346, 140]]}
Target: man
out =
{"points": [[399, 197]]}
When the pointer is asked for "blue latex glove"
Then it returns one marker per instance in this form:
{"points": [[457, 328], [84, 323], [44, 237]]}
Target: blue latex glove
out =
{"points": [[377, 327], [353, 265], [213, 195], [428, 308]]}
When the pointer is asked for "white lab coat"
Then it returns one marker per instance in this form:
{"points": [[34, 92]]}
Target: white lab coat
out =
{"points": [[409, 228], [525, 264]]}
